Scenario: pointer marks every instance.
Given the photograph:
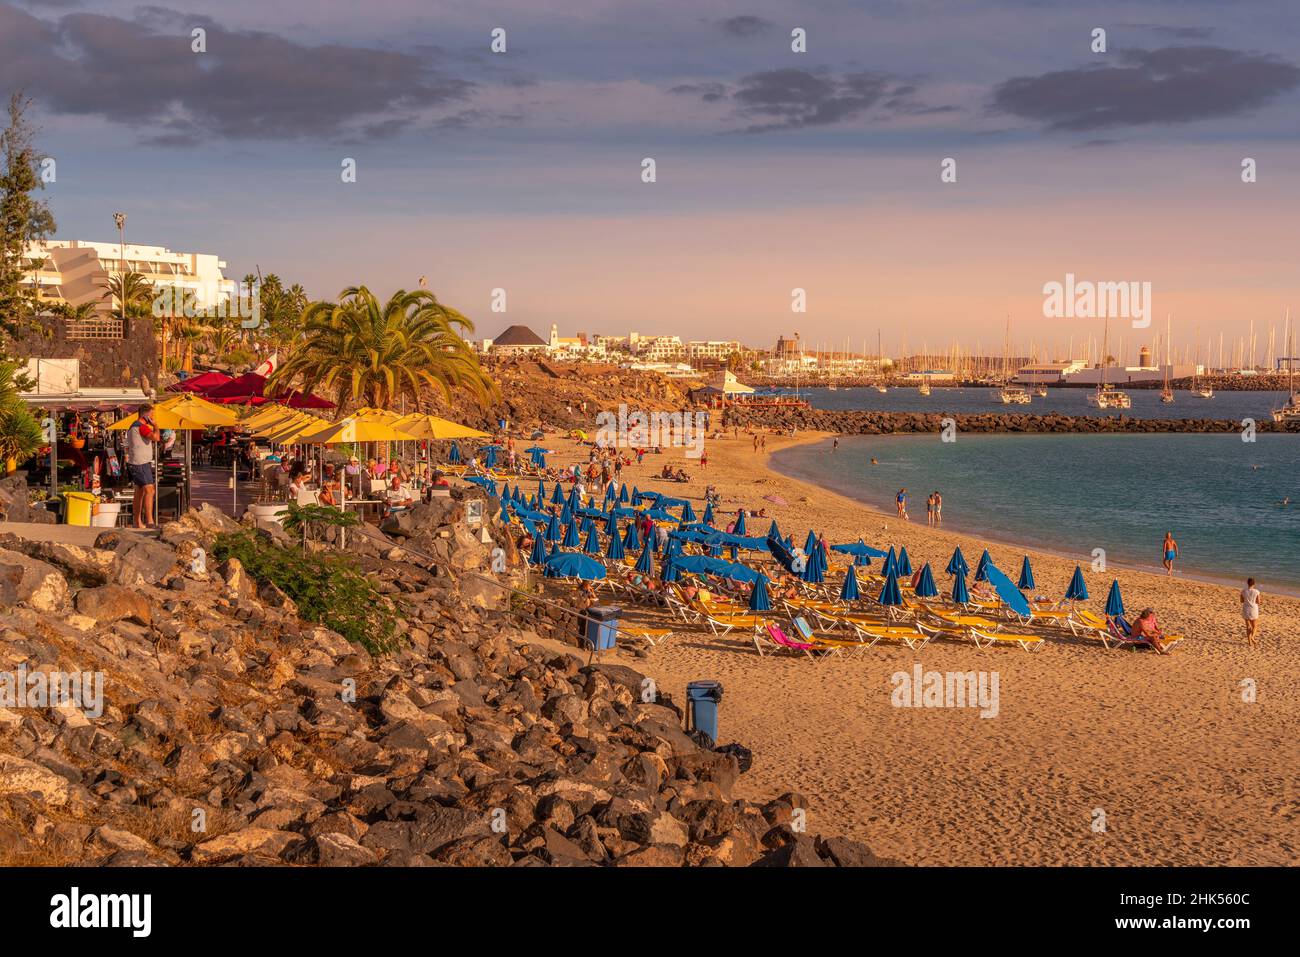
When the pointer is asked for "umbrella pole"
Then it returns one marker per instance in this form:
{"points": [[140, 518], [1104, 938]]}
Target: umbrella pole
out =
{"points": [[343, 500]]}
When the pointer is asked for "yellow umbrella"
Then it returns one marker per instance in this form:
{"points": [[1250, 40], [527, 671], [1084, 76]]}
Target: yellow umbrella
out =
{"points": [[271, 426], [421, 426], [292, 433], [163, 417], [352, 430], [369, 413], [267, 414], [197, 409]]}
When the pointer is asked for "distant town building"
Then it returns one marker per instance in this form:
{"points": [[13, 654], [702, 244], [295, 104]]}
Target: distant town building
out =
{"points": [[516, 340]]}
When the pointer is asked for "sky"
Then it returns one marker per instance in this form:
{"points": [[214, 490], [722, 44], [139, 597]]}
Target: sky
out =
{"points": [[775, 170]]}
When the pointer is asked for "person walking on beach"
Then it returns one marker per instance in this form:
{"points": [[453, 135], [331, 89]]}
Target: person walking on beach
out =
{"points": [[1250, 610], [929, 509], [938, 508], [835, 444], [1170, 553], [901, 502]]}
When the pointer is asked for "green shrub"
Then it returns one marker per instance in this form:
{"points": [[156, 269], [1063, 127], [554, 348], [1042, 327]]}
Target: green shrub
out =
{"points": [[329, 589]]}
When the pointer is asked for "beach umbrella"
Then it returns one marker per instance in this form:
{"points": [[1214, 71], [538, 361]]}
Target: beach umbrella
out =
{"points": [[352, 431], [631, 538], [573, 565], [957, 564], [891, 562], [592, 546], [611, 525], [505, 510], [849, 591], [904, 563], [646, 563], [981, 567], [570, 535], [670, 572], [813, 572], [758, 597], [489, 456], [960, 593], [925, 587], [553, 529], [575, 502], [539, 457], [453, 454], [636, 495], [714, 548], [505, 490], [566, 515], [740, 524], [1008, 591], [890, 595], [1026, 576], [1114, 601], [557, 496], [623, 496], [541, 491], [708, 513], [538, 557], [774, 531], [423, 426], [614, 551], [1078, 591], [688, 513], [810, 543]]}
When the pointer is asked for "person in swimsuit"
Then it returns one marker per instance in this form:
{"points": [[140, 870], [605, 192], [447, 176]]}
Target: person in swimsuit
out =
{"points": [[938, 508], [1170, 553], [901, 501], [1250, 610]]}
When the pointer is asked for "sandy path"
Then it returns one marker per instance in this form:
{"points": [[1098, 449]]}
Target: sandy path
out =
{"points": [[1184, 770]]}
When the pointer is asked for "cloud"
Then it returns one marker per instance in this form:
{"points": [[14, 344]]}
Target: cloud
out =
{"points": [[1170, 85], [1182, 33], [248, 85], [745, 26], [708, 92]]}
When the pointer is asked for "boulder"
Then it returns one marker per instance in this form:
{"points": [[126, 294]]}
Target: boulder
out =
{"points": [[31, 582], [114, 603]]}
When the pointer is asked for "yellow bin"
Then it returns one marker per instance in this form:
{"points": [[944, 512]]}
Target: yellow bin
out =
{"points": [[78, 507]]}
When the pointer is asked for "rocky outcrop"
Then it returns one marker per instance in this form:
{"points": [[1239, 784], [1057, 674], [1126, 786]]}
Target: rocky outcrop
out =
{"points": [[230, 731], [860, 422]]}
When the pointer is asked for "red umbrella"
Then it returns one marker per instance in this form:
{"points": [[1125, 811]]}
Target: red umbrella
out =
{"points": [[200, 383], [247, 386], [300, 400]]}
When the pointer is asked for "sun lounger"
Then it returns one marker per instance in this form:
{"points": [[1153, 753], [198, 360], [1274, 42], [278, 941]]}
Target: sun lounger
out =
{"points": [[987, 639], [805, 632], [655, 636], [1121, 636]]}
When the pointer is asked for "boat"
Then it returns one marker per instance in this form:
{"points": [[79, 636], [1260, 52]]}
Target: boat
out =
{"points": [[880, 387], [1106, 396], [1041, 392], [1010, 394], [924, 387], [1289, 411], [1201, 391], [1167, 394]]}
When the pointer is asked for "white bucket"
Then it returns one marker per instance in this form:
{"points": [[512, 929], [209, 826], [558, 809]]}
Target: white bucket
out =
{"points": [[106, 515], [270, 513]]}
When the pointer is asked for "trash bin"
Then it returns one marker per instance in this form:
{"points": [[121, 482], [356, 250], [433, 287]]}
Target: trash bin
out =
{"points": [[702, 699], [602, 626], [78, 507]]}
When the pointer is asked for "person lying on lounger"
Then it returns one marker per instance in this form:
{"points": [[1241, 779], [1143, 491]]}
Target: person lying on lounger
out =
{"points": [[1146, 628]]}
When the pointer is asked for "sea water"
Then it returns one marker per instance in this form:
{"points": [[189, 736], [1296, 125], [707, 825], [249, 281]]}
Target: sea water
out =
{"points": [[1071, 494]]}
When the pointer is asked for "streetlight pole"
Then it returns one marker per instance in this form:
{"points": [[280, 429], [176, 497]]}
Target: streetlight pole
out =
{"points": [[119, 220]]}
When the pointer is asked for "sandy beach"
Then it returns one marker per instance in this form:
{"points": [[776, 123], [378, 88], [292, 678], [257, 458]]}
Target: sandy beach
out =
{"points": [[1095, 756]]}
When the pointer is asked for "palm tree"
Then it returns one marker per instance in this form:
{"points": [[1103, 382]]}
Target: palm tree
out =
{"points": [[20, 434], [362, 352]]}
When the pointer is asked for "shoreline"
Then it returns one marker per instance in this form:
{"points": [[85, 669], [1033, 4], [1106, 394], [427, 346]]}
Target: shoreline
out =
{"points": [[992, 538]]}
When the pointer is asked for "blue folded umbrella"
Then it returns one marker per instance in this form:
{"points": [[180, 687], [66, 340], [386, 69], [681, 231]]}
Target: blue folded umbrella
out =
{"points": [[904, 563], [758, 597], [890, 594], [925, 587], [1115, 601], [557, 497], [707, 519], [541, 491], [538, 556], [960, 593], [614, 550], [623, 496], [891, 562], [574, 565], [570, 535], [592, 544], [553, 529], [505, 511], [1007, 590], [1078, 590], [813, 571], [575, 502], [1026, 576], [810, 543], [688, 513], [982, 565], [670, 571], [566, 515], [453, 454], [957, 562], [740, 524], [849, 591], [646, 563], [611, 525], [631, 538], [773, 531]]}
